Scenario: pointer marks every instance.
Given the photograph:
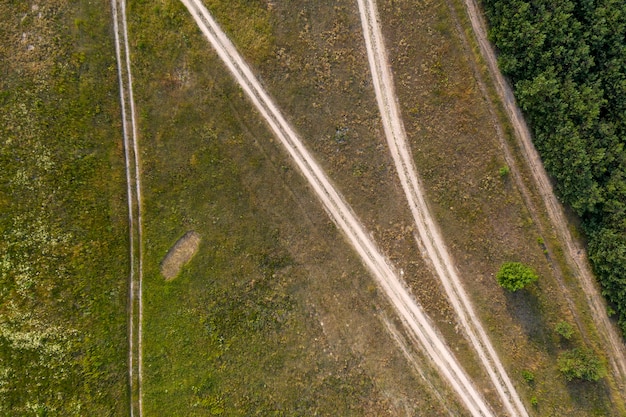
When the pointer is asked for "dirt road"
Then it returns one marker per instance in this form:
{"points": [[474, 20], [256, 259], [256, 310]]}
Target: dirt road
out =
{"points": [[575, 252], [413, 317], [133, 189], [429, 235]]}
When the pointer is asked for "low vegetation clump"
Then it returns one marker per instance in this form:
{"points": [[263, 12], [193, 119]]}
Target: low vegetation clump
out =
{"points": [[581, 364], [567, 63], [514, 276], [528, 376], [564, 329]]}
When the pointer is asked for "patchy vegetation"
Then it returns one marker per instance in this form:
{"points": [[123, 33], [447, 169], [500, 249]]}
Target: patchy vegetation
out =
{"points": [[564, 329], [280, 315], [567, 63], [581, 364], [63, 249], [274, 312]]}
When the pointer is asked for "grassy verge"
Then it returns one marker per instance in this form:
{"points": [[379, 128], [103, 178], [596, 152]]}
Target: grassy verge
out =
{"points": [[63, 266]]}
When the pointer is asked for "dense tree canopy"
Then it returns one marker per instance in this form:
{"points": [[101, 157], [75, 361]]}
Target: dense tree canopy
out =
{"points": [[567, 63]]}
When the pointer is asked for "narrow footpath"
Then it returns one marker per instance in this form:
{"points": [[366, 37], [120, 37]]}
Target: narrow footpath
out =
{"points": [[133, 190]]}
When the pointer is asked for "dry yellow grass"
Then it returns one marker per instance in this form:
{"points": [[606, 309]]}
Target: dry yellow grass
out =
{"points": [[180, 254]]}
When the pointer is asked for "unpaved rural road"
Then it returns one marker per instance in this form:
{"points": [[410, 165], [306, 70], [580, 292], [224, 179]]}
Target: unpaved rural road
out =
{"points": [[575, 253], [133, 189], [429, 235], [413, 317]]}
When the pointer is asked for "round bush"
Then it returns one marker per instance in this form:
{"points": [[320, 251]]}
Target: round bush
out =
{"points": [[514, 276]]}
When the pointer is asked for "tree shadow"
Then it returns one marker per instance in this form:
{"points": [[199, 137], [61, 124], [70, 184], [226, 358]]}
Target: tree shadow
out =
{"points": [[588, 395], [525, 305]]}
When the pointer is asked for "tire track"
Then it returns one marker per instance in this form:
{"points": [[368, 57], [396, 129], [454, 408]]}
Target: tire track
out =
{"points": [[413, 317], [429, 235], [575, 252], [133, 190]]}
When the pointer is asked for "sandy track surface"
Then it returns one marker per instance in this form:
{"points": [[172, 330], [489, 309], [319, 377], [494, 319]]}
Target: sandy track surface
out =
{"points": [[429, 235], [133, 189], [413, 317], [575, 252]]}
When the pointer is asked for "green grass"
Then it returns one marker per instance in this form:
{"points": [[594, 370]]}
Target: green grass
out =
{"points": [[63, 266], [240, 331], [275, 315], [205, 144]]}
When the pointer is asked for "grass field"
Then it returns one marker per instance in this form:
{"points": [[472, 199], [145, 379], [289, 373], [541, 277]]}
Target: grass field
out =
{"points": [[275, 315], [63, 267]]}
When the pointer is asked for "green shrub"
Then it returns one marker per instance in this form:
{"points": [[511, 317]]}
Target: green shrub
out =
{"points": [[514, 276], [564, 329], [581, 364], [528, 376]]}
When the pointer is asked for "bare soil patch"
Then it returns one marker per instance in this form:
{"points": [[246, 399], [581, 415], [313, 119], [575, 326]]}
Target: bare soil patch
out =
{"points": [[180, 254]]}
